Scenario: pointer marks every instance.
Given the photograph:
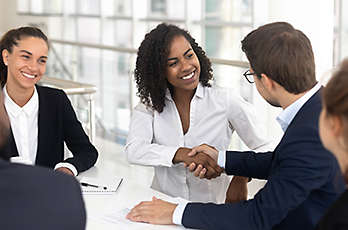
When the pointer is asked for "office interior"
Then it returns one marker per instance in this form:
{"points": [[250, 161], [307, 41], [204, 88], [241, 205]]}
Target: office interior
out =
{"points": [[93, 48]]}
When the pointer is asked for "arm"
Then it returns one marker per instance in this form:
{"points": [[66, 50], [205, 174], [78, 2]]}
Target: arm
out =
{"points": [[84, 153], [140, 148], [300, 171]]}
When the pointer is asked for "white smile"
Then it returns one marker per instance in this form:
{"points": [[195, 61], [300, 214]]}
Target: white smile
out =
{"points": [[28, 75], [188, 76]]}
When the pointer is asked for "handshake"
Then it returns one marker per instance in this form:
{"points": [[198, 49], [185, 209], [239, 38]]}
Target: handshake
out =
{"points": [[201, 160]]}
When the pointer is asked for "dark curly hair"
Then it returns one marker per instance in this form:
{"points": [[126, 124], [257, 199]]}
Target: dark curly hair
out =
{"points": [[151, 64]]}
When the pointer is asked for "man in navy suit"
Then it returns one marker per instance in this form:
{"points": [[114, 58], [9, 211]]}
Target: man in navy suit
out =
{"points": [[35, 197], [303, 179]]}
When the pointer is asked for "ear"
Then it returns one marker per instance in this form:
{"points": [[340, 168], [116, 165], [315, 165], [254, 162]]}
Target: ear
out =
{"points": [[336, 125], [268, 83], [4, 56]]}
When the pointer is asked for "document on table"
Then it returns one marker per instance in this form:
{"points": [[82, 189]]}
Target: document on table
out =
{"points": [[90, 186]]}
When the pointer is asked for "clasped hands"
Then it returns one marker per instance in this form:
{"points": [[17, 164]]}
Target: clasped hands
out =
{"points": [[201, 160]]}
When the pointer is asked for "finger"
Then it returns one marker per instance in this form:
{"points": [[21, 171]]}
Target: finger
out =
{"points": [[192, 152], [198, 170], [185, 165], [202, 173], [192, 167]]}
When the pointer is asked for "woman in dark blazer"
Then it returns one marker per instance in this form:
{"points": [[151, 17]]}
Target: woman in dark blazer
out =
{"points": [[333, 125], [41, 118]]}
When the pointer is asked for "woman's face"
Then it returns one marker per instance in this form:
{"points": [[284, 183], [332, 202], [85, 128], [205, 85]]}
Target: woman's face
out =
{"points": [[27, 62], [325, 131], [183, 68]]}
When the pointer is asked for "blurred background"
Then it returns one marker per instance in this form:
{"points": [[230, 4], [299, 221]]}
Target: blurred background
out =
{"points": [[95, 42]]}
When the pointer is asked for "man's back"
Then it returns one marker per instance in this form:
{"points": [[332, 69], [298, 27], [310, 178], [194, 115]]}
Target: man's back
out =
{"points": [[37, 198]]}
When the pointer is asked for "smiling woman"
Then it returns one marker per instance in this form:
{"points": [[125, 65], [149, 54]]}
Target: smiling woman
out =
{"points": [[180, 109], [41, 118]]}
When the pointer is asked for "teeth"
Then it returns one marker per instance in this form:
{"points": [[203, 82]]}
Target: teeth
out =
{"points": [[28, 75], [188, 76]]}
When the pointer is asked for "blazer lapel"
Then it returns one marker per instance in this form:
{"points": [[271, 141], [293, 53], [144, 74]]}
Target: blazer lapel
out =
{"points": [[40, 124]]}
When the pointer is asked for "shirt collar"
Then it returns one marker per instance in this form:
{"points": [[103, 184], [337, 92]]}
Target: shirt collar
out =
{"points": [[199, 92], [288, 114], [29, 108]]}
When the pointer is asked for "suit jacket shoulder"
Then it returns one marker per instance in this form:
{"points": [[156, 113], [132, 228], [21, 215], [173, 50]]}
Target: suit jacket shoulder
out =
{"points": [[35, 193]]}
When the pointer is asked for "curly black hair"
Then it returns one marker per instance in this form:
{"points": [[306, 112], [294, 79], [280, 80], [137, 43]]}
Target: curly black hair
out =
{"points": [[151, 64]]}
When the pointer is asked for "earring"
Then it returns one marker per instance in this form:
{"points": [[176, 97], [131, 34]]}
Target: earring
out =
{"points": [[5, 63]]}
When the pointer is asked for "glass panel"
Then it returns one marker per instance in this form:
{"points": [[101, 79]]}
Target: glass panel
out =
{"points": [[229, 10], [89, 7], [55, 27], [224, 42], [114, 90], [23, 6], [36, 6], [53, 7], [158, 7], [344, 32], [88, 30], [69, 29], [70, 6], [176, 9]]}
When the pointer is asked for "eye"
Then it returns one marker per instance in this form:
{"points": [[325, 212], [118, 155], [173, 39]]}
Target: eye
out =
{"points": [[190, 55], [25, 56], [172, 64], [42, 61]]}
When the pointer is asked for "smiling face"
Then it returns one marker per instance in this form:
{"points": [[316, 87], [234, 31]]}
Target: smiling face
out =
{"points": [[26, 63], [183, 67]]}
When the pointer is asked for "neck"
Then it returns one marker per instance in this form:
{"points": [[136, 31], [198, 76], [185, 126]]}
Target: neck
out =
{"points": [[182, 96], [286, 98], [19, 95]]}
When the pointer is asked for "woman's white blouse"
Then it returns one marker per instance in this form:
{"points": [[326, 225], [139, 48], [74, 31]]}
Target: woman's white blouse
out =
{"points": [[214, 114]]}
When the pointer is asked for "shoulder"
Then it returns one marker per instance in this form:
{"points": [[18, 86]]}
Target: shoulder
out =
{"points": [[142, 108], [49, 91]]}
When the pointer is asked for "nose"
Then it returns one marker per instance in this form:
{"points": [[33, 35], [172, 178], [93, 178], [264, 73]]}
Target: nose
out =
{"points": [[33, 66], [186, 66]]}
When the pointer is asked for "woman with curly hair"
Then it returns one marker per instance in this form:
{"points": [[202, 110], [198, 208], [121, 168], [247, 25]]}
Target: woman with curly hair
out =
{"points": [[179, 109]]}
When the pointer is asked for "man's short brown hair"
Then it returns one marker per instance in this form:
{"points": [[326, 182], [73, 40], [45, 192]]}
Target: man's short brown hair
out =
{"points": [[284, 54]]}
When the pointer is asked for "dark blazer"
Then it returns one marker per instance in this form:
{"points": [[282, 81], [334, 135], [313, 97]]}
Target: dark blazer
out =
{"points": [[336, 218], [304, 179], [57, 123], [40, 199]]}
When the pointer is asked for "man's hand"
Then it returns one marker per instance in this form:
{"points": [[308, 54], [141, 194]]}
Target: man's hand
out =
{"points": [[154, 212], [65, 170], [237, 190], [204, 148], [206, 166]]}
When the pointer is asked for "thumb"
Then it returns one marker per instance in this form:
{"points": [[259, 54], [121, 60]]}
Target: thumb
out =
{"points": [[193, 151]]}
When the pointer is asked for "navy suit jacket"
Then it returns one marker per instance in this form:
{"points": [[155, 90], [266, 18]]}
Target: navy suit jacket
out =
{"points": [[304, 179], [57, 123], [40, 199]]}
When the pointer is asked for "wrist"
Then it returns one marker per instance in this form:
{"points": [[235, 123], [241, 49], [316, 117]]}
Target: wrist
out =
{"points": [[180, 155]]}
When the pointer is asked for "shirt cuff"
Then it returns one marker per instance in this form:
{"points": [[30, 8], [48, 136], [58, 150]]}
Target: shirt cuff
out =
{"points": [[222, 159], [67, 165], [179, 212]]}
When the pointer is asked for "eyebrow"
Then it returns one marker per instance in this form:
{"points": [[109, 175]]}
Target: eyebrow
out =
{"points": [[27, 52], [174, 58]]}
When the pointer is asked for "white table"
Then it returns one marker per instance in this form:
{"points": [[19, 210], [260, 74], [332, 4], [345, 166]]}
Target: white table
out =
{"points": [[134, 188]]}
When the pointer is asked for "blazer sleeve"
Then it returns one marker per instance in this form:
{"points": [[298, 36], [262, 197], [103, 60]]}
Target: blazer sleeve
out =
{"points": [[303, 166], [84, 153], [248, 164]]}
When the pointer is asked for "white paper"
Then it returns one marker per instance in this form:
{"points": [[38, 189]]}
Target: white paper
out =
{"points": [[110, 185]]}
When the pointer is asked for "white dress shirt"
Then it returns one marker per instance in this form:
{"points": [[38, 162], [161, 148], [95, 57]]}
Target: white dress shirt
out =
{"points": [[284, 119], [24, 125], [215, 113]]}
